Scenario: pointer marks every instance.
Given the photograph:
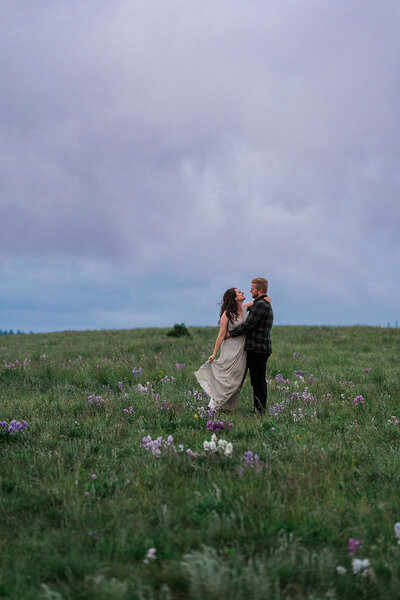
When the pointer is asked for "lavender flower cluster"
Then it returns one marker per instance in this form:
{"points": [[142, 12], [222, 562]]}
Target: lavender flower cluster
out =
{"points": [[299, 414], [218, 425], [326, 398], [354, 545], [145, 389], [280, 379], [163, 405], [14, 426], [201, 411], [279, 408], [96, 400], [197, 395], [346, 383], [204, 413], [160, 446], [136, 372], [358, 400], [15, 365], [252, 461], [308, 397]]}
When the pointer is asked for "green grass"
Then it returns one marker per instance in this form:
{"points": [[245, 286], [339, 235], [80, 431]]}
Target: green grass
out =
{"points": [[278, 533]]}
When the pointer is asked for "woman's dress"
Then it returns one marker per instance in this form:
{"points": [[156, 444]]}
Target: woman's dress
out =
{"points": [[222, 379]]}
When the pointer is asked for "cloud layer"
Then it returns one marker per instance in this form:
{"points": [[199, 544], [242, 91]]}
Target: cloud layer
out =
{"points": [[153, 154]]}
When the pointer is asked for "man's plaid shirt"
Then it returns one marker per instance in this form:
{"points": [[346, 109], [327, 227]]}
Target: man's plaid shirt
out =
{"points": [[257, 327]]}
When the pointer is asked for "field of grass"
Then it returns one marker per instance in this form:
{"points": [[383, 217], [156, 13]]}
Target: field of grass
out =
{"points": [[88, 510]]}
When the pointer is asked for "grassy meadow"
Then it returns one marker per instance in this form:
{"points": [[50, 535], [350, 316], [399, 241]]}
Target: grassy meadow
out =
{"points": [[88, 510]]}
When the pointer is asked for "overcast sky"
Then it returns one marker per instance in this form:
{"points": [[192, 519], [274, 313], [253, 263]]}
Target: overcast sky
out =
{"points": [[153, 154]]}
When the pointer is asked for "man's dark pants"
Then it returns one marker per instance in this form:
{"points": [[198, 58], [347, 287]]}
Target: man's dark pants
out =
{"points": [[257, 366]]}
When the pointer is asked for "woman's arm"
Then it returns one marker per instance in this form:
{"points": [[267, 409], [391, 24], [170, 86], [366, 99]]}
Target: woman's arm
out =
{"points": [[223, 327], [250, 304]]}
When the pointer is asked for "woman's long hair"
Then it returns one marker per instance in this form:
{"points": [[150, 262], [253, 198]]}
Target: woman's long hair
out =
{"points": [[229, 305]]}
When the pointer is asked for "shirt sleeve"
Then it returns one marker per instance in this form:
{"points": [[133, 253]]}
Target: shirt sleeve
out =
{"points": [[251, 321]]}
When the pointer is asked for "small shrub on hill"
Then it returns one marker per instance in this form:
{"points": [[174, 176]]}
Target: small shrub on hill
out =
{"points": [[178, 330]]}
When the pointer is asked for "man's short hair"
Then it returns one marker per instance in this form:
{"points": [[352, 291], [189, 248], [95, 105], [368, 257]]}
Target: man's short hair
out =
{"points": [[261, 284]]}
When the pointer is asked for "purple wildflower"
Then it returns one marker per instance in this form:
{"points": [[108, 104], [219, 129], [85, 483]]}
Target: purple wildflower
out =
{"points": [[14, 426], [215, 425], [98, 400], [359, 400], [354, 545], [252, 461], [166, 406], [145, 389]]}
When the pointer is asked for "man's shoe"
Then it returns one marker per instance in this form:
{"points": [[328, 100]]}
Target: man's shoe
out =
{"points": [[258, 412], [258, 406]]}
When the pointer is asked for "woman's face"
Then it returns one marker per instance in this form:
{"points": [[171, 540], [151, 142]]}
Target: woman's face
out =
{"points": [[239, 295]]}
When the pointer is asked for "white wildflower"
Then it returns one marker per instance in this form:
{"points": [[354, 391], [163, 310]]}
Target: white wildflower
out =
{"points": [[151, 555], [397, 531], [360, 566], [221, 446], [228, 450], [341, 570]]}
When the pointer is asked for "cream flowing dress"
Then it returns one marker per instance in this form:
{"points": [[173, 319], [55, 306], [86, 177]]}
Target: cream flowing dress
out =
{"points": [[222, 379]]}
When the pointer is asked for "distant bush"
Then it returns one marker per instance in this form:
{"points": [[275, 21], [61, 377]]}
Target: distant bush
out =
{"points": [[178, 330], [11, 332]]}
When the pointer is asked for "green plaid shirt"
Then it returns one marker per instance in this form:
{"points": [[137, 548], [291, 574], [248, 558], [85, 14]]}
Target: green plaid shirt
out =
{"points": [[257, 327]]}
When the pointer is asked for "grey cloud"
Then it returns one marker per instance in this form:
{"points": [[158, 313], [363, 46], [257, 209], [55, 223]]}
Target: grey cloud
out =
{"points": [[180, 138]]}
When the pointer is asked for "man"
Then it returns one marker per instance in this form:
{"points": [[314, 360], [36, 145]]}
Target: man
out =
{"points": [[257, 329]]}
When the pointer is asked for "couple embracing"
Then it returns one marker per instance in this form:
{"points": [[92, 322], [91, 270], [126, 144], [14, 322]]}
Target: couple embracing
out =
{"points": [[245, 343]]}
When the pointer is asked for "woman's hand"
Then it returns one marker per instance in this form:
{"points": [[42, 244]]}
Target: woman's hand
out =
{"points": [[211, 358], [267, 299]]}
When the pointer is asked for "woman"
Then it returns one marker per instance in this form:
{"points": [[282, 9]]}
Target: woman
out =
{"points": [[222, 379]]}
